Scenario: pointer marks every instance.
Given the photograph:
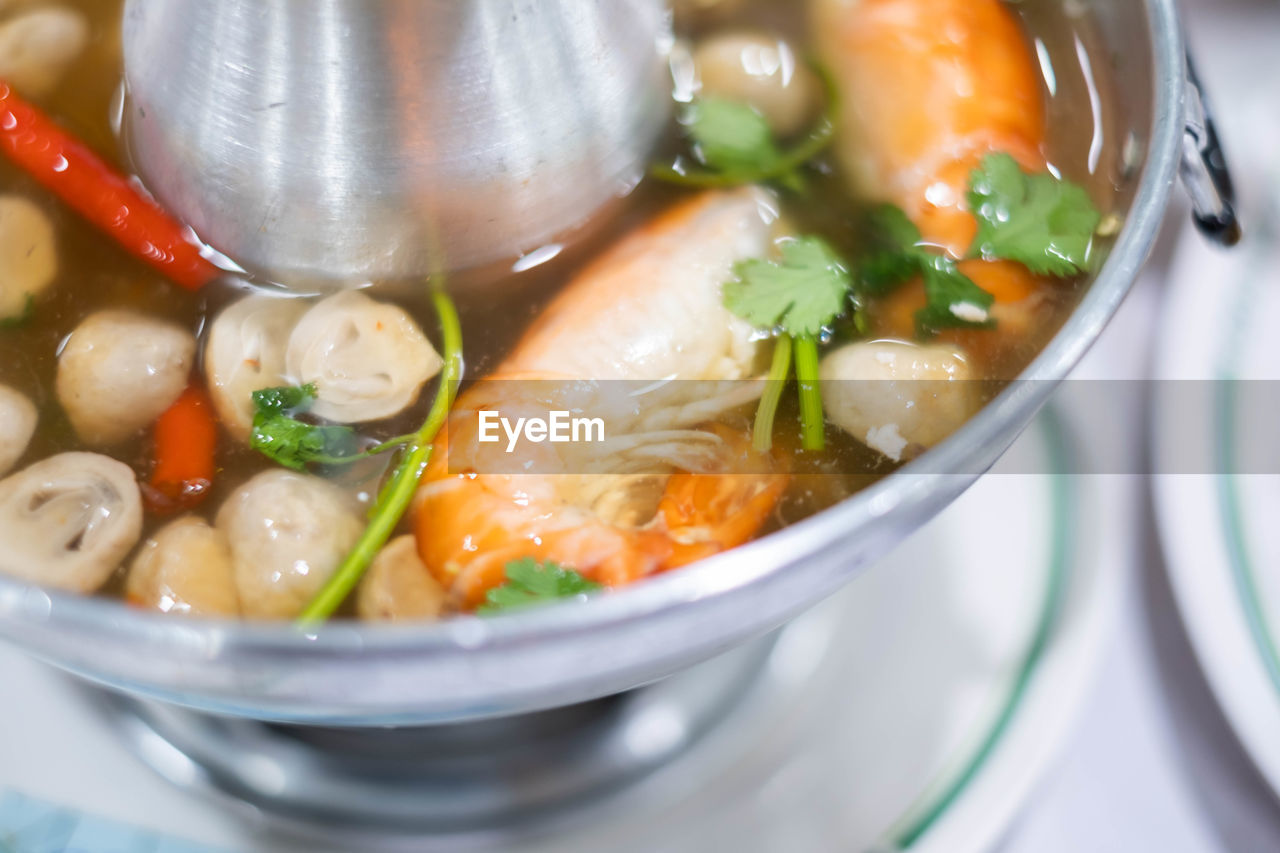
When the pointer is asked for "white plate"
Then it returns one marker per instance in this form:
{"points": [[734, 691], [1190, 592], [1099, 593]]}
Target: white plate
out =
{"points": [[915, 709], [1219, 530]]}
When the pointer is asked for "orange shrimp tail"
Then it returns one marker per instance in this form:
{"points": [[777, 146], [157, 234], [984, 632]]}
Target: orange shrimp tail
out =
{"points": [[929, 87], [710, 513], [469, 525], [1018, 308]]}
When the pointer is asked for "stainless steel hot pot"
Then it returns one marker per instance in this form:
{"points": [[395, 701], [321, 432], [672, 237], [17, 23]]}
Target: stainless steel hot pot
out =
{"points": [[470, 668]]}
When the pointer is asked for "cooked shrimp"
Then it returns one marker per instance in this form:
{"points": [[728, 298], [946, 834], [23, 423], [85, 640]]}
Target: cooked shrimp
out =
{"points": [[929, 87], [649, 309]]}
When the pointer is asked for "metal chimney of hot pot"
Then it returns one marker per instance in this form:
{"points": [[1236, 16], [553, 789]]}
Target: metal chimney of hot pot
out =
{"points": [[349, 140]]}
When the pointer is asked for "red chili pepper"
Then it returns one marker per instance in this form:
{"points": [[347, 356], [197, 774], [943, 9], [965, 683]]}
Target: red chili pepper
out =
{"points": [[186, 440], [108, 199]]}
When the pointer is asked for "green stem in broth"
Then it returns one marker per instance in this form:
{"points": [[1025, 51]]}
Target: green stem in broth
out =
{"points": [[395, 497], [762, 430], [811, 422]]}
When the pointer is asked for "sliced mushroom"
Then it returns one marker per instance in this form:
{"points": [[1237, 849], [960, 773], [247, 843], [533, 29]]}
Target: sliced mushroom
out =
{"points": [[398, 587], [119, 371], [28, 254], [288, 532], [185, 568], [17, 424], [69, 521], [897, 397], [760, 71], [245, 353], [367, 359], [37, 47]]}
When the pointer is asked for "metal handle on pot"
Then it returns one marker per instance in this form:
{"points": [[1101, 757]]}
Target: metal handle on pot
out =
{"points": [[1204, 169]]}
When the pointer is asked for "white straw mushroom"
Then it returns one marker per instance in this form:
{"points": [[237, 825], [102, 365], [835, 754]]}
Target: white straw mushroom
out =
{"points": [[288, 532], [69, 521], [185, 568], [762, 72], [368, 360], [28, 254], [119, 371], [37, 47], [17, 425], [245, 353], [398, 587], [896, 397]]}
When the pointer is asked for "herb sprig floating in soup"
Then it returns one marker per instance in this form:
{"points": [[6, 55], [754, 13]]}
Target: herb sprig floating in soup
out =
{"points": [[865, 218]]}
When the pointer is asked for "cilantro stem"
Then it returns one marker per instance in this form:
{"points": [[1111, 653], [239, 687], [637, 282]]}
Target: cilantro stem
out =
{"points": [[762, 431], [377, 450], [812, 427], [397, 494]]}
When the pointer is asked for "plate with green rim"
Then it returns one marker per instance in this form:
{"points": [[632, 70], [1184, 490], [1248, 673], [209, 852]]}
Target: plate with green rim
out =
{"points": [[1217, 461], [913, 711]]}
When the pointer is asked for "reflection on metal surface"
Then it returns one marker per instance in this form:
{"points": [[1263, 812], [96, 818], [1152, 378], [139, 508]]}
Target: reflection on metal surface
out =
{"points": [[472, 778], [342, 141]]}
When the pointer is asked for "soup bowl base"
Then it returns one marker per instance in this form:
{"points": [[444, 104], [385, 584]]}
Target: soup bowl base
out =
{"points": [[508, 775]]}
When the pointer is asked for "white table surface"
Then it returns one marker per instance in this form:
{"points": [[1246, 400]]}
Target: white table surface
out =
{"points": [[1153, 764]]}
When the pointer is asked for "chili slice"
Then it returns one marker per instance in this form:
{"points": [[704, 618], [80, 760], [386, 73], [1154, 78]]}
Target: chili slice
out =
{"points": [[186, 441], [111, 201]]}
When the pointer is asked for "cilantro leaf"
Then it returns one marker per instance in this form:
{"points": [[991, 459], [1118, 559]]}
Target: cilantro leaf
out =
{"points": [[530, 583], [284, 400], [803, 292], [954, 301], [896, 253], [732, 137], [1040, 221], [736, 146], [290, 442]]}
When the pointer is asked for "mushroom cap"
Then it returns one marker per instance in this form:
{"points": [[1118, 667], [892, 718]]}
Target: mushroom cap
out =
{"points": [[119, 371], [897, 397], [761, 71], [398, 586], [367, 359], [288, 532], [244, 352], [28, 252], [18, 419], [185, 568], [38, 45], [69, 520]]}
